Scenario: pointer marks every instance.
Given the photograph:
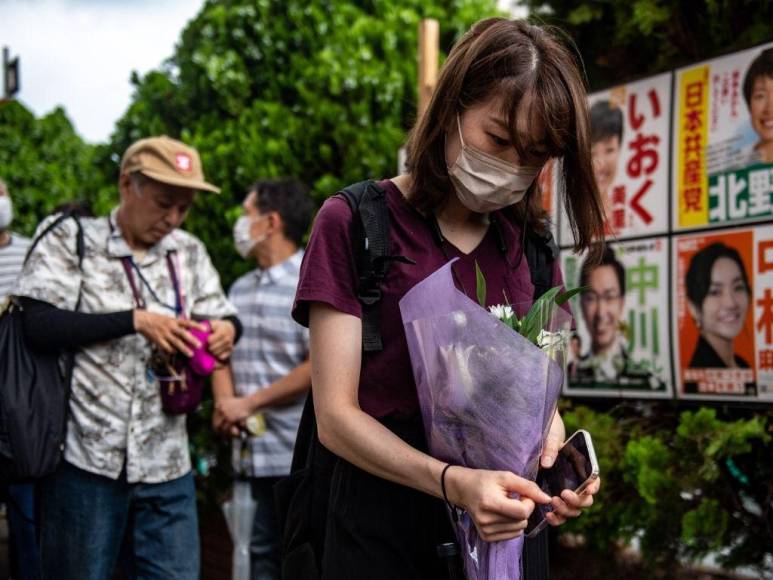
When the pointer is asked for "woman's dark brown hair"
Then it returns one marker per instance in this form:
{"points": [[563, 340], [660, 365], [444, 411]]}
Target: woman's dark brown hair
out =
{"points": [[536, 76]]}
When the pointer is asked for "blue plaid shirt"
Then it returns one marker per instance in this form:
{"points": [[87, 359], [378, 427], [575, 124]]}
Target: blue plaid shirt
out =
{"points": [[272, 345]]}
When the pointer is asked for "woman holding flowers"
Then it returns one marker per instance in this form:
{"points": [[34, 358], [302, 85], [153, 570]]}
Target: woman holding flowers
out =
{"points": [[509, 98]]}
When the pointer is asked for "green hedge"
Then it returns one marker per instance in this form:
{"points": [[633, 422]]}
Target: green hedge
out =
{"points": [[685, 483]]}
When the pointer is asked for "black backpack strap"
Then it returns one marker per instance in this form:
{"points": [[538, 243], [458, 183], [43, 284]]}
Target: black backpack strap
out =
{"points": [[80, 246], [541, 253], [68, 355], [370, 222]]}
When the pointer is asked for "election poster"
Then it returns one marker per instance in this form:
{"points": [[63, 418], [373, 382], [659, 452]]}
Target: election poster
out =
{"points": [[621, 347], [547, 183], [723, 304], [630, 152], [723, 140]]}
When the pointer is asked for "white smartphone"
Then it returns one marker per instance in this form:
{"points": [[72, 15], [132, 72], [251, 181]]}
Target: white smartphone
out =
{"points": [[575, 468]]}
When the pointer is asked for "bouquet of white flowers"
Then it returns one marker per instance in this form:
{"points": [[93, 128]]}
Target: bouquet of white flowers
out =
{"points": [[488, 388]]}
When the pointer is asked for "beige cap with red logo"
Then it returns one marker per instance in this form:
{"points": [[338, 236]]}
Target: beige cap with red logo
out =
{"points": [[168, 161]]}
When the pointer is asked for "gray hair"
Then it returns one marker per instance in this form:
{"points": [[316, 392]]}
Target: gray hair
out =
{"points": [[138, 180]]}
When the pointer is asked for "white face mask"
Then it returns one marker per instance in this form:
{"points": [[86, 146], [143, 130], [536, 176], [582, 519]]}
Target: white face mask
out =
{"points": [[6, 212], [243, 240], [486, 183]]}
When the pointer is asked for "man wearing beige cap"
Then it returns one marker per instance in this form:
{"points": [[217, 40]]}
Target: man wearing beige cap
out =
{"points": [[126, 481]]}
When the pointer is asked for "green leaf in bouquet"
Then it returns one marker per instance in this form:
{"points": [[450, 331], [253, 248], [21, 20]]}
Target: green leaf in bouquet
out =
{"points": [[539, 315], [569, 294], [480, 282]]}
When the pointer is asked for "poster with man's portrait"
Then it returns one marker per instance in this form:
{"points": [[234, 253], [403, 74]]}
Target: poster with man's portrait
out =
{"points": [[630, 156], [723, 302], [621, 347], [723, 140]]}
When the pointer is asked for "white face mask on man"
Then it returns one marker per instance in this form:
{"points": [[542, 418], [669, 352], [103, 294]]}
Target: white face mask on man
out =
{"points": [[6, 212], [486, 183], [243, 240]]}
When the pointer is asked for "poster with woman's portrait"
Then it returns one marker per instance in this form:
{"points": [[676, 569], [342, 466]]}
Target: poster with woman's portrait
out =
{"points": [[621, 346], [724, 314], [723, 140], [630, 154]]}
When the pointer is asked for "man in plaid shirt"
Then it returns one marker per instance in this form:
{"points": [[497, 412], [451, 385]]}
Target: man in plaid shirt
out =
{"points": [[270, 371]]}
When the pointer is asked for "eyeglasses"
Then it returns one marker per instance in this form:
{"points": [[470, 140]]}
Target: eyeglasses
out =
{"points": [[592, 298]]}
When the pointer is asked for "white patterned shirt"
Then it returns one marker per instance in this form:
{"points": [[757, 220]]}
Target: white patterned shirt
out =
{"points": [[115, 417], [272, 344]]}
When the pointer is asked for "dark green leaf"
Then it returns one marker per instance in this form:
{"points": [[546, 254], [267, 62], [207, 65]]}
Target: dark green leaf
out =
{"points": [[480, 283]]}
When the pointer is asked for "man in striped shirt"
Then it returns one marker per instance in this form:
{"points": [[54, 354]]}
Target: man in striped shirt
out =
{"points": [[269, 373], [13, 247]]}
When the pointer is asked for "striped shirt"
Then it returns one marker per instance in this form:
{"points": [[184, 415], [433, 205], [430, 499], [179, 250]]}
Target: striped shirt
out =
{"points": [[271, 346], [11, 262]]}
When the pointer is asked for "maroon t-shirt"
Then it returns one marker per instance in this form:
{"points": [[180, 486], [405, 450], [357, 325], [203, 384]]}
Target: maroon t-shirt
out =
{"points": [[328, 274]]}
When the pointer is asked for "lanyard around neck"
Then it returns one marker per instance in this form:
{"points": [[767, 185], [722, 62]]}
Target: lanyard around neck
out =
{"points": [[130, 267]]}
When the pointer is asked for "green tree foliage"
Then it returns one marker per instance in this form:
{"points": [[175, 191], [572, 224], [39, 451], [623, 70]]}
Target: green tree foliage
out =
{"points": [[685, 485], [624, 39], [320, 90], [44, 162]]}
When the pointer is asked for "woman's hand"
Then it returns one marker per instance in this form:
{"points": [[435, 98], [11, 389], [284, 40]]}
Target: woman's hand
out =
{"points": [[554, 441], [487, 497], [570, 504], [221, 342], [170, 334]]}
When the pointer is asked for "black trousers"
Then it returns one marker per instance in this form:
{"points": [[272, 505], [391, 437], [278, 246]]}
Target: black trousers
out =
{"points": [[381, 530]]}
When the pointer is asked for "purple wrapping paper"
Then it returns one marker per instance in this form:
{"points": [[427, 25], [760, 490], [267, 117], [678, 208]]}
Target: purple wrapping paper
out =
{"points": [[487, 396]]}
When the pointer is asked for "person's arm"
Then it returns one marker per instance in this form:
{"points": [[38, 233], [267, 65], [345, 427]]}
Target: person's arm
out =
{"points": [[223, 390], [357, 437], [282, 391], [49, 328]]}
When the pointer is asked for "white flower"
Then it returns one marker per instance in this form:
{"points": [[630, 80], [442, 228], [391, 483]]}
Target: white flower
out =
{"points": [[501, 312], [550, 341]]}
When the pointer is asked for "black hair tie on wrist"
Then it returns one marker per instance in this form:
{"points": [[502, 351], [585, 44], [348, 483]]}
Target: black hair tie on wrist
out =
{"points": [[454, 509]]}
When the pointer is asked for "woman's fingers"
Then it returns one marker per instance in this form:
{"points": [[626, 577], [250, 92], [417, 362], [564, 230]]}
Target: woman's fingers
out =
{"points": [[501, 537], [577, 501], [523, 487], [555, 519], [499, 529], [564, 509], [506, 526], [506, 509]]}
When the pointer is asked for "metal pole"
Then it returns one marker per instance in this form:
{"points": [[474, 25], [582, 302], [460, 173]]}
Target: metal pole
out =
{"points": [[429, 41], [6, 59]]}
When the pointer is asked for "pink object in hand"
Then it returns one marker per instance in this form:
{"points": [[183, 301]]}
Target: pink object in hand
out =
{"points": [[201, 361]]}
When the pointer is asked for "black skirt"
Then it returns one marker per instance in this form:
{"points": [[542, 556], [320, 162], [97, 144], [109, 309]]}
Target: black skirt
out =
{"points": [[381, 530]]}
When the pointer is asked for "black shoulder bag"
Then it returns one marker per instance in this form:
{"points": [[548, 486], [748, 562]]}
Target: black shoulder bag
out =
{"points": [[34, 392]]}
